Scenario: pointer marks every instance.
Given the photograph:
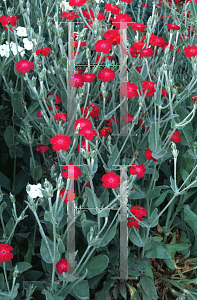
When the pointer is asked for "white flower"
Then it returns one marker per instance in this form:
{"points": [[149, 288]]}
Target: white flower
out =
{"points": [[35, 190], [65, 6], [21, 31], [14, 50], [27, 44], [4, 50]]}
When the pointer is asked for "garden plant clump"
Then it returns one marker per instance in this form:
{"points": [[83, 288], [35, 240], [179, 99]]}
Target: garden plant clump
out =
{"points": [[98, 169]]}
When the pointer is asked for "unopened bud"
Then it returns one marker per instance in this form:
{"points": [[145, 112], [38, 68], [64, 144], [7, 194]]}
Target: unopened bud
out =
{"points": [[48, 188]]}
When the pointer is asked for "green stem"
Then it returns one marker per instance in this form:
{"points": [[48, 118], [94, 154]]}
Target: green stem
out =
{"points": [[147, 234], [6, 277]]}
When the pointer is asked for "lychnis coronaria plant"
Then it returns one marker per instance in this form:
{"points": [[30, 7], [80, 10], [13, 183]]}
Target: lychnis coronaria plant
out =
{"points": [[98, 118]]}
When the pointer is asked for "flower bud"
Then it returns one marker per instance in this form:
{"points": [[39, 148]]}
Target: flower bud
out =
{"points": [[48, 188], [83, 152], [12, 198], [103, 90], [16, 272], [174, 151], [53, 173], [88, 53], [91, 233], [83, 217], [109, 140], [77, 129], [60, 182], [97, 10], [174, 91], [82, 35]]}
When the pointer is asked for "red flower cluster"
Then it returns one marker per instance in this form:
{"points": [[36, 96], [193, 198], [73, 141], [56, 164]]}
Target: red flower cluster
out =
{"points": [[138, 212], [94, 113], [69, 195], [73, 173]]}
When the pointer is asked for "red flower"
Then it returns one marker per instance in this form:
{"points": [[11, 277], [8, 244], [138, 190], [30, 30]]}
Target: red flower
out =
{"points": [[83, 146], [61, 116], [86, 13], [105, 131], [164, 93], [155, 41], [87, 184], [63, 265], [194, 99], [94, 113], [111, 180], [147, 5], [113, 37], [5, 255], [128, 118], [106, 75], [60, 142], [101, 16], [137, 169], [138, 26], [148, 155], [70, 16], [133, 51], [138, 211], [88, 77], [129, 90], [77, 2], [39, 114], [138, 46], [165, 45], [103, 46], [42, 148], [90, 24], [176, 138], [24, 66], [83, 123], [75, 44], [133, 222], [148, 84], [122, 18], [109, 122], [88, 133], [140, 122], [108, 97], [139, 69], [58, 101], [173, 26], [44, 51], [69, 195], [190, 51], [146, 52], [115, 9], [6, 20], [74, 173], [76, 81]]}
